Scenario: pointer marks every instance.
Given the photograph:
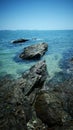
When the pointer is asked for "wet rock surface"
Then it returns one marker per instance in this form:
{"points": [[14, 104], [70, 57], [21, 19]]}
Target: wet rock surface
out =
{"points": [[35, 102], [34, 51], [15, 108], [67, 126], [34, 78], [65, 91], [20, 40], [36, 124], [49, 108]]}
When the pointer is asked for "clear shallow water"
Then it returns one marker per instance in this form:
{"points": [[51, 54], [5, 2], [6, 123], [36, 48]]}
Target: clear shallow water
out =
{"points": [[60, 47]]}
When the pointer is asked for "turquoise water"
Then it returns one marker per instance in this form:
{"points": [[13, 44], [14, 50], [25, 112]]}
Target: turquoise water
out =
{"points": [[60, 47]]}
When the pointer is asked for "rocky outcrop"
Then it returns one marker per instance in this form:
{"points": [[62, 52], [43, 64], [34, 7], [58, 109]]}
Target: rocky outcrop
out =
{"points": [[34, 102], [34, 51], [49, 108], [15, 108], [34, 78], [14, 112], [67, 126], [20, 40]]}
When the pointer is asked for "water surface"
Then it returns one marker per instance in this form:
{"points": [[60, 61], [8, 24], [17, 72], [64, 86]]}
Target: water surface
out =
{"points": [[60, 47]]}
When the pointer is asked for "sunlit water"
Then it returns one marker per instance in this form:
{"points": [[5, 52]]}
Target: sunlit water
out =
{"points": [[60, 46]]}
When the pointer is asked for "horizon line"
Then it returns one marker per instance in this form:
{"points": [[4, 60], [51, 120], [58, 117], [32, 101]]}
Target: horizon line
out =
{"points": [[34, 29]]}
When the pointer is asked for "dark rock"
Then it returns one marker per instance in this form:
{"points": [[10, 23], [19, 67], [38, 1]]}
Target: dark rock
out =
{"points": [[32, 96], [15, 109], [12, 117], [34, 51], [20, 40], [32, 79], [65, 92], [66, 126], [69, 96], [49, 108]]}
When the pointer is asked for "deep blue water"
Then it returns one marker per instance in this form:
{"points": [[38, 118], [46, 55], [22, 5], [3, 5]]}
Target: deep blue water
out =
{"points": [[60, 48]]}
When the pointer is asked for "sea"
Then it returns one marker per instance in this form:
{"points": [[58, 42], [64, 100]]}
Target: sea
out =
{"points": [[60, 49]]}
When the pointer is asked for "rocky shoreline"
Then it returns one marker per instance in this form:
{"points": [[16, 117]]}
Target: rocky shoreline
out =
{"points": [[33, 102]]}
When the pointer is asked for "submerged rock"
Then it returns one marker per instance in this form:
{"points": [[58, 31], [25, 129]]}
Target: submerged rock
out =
{"points": [[34, 51], [49, 108], [71, 59], [20, 40]]}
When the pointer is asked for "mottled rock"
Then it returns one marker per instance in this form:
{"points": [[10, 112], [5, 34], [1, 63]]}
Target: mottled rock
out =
{"points": [[66, 126], [36, 124], [34, 78], [20, 40], [12, 116], [49, 108], [34, 51], [65, 91], [15, 111]]}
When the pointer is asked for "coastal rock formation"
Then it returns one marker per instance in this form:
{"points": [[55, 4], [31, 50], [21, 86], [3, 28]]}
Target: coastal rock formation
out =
{"points": [[33, 78], [15, 108], [49, 108], [14, 111], [34, 102], [34, 51], [65, 90], [67, 126], [20, 40]]}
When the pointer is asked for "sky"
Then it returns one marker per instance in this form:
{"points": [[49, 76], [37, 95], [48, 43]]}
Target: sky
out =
{"points": [[36, 14]]}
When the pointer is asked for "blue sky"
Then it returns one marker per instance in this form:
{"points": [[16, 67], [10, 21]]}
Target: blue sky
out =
{"points": [[36, 14]]}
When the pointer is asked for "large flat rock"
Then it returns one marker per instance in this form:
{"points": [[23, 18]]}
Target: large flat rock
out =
{"points": [[35, 51]]}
